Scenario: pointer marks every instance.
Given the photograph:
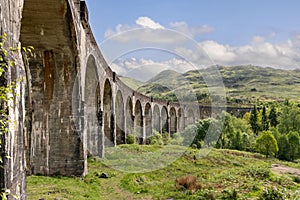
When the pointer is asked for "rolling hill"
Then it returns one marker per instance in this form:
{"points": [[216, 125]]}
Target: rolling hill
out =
{"points": [[130, 82], [243, 84]]}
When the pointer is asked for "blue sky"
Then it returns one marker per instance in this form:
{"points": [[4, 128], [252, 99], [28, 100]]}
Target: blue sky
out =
{"points": [[232, 32]]}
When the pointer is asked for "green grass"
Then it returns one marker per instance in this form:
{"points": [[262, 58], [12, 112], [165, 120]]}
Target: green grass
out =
{"points": [[220, 173], [132, 83]]}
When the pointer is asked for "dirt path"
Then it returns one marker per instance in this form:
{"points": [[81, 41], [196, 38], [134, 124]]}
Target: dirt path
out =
{"points": [[281, 169]]}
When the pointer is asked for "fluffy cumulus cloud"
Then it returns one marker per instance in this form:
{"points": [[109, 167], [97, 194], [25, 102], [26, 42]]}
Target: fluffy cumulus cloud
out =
{"points": [[285, 55], [150, 30], [141, 22], [259, 51], [183, 27], [146, 22], [145, 69]]}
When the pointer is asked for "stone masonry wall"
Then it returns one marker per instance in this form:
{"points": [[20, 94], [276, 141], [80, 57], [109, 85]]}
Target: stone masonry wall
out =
{"points": [[12, 176], [55, 146]]}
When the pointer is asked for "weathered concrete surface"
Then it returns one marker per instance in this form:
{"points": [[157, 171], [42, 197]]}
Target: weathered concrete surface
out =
{"points": [[55, 147], [12, 176]]}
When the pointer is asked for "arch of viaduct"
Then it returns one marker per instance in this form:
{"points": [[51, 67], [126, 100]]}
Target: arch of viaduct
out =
{"points": [[79, 105]]}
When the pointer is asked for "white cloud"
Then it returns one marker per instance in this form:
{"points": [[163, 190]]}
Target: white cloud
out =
{"points": [[146, 22], [259, 51], [120, 28], [152, 31], [144, 69], [141, 22], [218, 52], [183, 27], [285, 55]]}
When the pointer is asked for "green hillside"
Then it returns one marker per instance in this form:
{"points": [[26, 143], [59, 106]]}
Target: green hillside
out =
{"points": [[244, 84], [130, 82], [223, 174]]}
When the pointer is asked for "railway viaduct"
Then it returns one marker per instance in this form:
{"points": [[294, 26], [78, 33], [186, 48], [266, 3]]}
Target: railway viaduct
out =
{"points": [[76, 105]]}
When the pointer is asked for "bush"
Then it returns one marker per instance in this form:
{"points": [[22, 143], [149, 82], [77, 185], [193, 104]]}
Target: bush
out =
{"points": [[176, 139], [232, 195], [130, 139], [155, 139], [259, 172], [272, 193], [166, 138], [296, 179]]}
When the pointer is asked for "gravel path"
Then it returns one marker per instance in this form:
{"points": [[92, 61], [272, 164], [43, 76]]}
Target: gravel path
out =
{"points": [[281, 169]]}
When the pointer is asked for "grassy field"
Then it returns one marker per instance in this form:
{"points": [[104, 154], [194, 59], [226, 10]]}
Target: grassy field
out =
{"points": [[223, 174]]}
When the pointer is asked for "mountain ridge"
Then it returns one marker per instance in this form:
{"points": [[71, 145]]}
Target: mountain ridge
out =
{"points": [[243, 84]]}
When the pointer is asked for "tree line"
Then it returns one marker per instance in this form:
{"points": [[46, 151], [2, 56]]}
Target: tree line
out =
{"points": [[272, 129]]}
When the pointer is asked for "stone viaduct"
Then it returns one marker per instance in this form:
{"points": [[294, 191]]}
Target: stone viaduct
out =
{"points": [[79, 105], [76, 105]]}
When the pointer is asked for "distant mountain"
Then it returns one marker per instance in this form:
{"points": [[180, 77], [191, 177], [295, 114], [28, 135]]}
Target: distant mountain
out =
{"points": [[167, 76], [243, 84], [130, 82]]}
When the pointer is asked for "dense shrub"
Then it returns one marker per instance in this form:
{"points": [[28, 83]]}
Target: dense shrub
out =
{"points": [[155, 139], [176, 139], [130, 139], [166, 138], [272, 193]]}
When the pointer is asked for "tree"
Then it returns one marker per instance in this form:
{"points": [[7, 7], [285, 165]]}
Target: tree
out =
{"points": [[289, 119], [283, 147], [264, 119], [254, 120], [266, 144], [294, 143], [273, 117]]}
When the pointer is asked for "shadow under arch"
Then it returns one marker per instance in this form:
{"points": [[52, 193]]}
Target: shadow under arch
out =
{"points": [[108, 116], [129, 116], [92, 101], [173, 121], [156, 119], [148, 120], [120, 119], [138, 122], [164, 120]]}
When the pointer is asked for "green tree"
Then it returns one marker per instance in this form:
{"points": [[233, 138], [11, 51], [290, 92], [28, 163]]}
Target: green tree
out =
{"points": [[273, 116], [283, 147], [294, 143], [264, 119], [266, 144], [225, 139], [254, 120], [289, 119]]}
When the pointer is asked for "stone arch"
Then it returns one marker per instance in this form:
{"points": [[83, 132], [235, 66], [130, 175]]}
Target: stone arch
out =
{"points": [[190, 119], [164, 119], [156, 119], [173, 121], [129, 116], [148, 120], [120, 119], [138, 121], [108, 117], [180, 119], [92, 101]]}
